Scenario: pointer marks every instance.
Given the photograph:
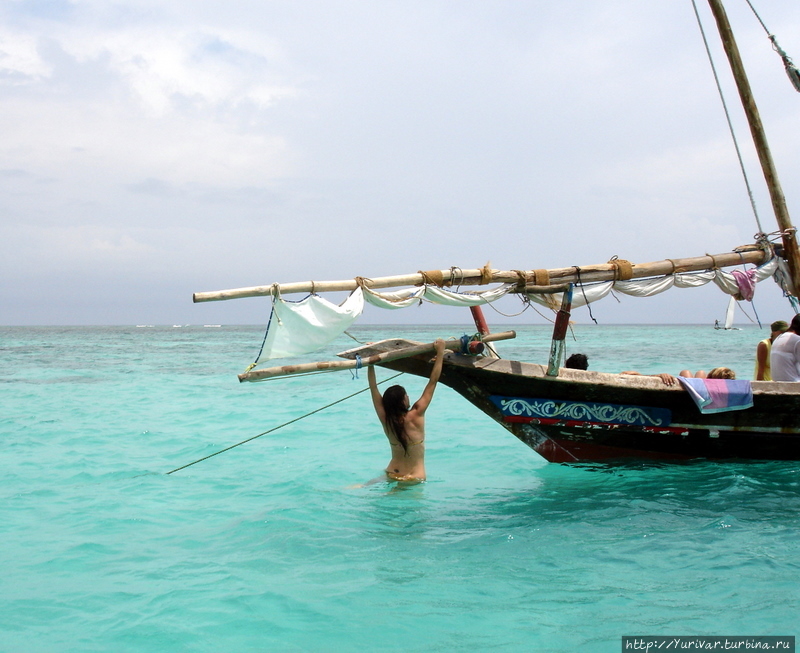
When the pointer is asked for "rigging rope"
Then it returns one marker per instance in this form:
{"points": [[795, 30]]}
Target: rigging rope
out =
{"points": [[525, 301], [350, 335], [583, 290], [728, 118], [788, 64], [272, 430]]}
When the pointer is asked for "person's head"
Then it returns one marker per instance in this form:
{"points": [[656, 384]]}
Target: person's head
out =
{"points": [[794, 327], [395, 399], [577, 362], [778, 327], [722, 373], [395, 406]]}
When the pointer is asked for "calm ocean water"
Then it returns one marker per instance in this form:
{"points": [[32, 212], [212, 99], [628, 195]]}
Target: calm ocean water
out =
{"points": [[268, 547]]}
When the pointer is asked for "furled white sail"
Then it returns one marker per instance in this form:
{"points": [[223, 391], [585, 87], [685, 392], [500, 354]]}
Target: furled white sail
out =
{"points": [[301, 327], [649, 287], [435, 295]]}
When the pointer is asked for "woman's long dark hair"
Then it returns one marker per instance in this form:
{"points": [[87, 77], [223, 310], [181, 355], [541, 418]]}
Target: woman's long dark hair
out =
{"points": [[394, 407]]}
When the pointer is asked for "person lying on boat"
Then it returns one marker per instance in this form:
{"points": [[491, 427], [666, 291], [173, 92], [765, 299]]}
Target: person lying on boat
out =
{"points": [[404, 425], [763, 371], [577, 362], [716, 373], [668, 379]]}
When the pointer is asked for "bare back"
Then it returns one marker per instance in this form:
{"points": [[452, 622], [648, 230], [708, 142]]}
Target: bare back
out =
{"points": [[408, 464]]}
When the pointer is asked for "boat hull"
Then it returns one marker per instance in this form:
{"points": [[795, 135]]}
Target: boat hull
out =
{"points": [[583, 416]]}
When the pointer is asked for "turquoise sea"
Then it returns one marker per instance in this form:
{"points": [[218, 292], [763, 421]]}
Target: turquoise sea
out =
{"points": [[268, 547]]}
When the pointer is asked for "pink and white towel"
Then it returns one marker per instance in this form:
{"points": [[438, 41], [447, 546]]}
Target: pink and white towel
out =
{"points": [[719, 395]]}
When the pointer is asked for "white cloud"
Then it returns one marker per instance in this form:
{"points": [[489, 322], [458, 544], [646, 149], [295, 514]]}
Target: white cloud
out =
{"points": [[189, 104], [255, 142], [215, 68], [20, 62]]}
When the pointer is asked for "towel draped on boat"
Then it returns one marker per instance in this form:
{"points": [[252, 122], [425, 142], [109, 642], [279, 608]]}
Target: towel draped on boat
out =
{"points": [[719, 395]]}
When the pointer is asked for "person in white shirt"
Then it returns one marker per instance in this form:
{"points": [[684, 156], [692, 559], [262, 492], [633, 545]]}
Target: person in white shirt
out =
{"points": [[785, 355]]}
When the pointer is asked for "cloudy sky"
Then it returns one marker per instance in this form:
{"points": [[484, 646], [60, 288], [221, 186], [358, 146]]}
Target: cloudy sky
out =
{"points": [[153, 148]]}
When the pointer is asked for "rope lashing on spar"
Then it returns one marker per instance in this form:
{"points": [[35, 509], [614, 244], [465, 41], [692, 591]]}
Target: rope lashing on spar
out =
{"points": [[788, 65], [623, 270], [583, 291], [522, 280], [359, 365], [791, 69], [486, 274], [272, 430], [456, 273], [472, 345], [433, 278]]}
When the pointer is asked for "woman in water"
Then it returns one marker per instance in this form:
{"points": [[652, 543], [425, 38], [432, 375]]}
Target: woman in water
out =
{"points": [[404, 425]]}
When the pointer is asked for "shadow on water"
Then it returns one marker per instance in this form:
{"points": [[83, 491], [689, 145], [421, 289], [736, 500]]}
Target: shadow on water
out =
{"points": [[600, 500]]}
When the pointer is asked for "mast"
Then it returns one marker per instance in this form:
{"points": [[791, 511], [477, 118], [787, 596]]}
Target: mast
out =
{"points": [[791, 252]]}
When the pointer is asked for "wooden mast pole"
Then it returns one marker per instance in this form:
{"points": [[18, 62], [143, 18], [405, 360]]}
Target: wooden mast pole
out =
{"points": [[791, 252]]}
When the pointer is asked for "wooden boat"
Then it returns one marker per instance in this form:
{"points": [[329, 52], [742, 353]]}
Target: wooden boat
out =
{"points": [[571, 415], [581, 416]]}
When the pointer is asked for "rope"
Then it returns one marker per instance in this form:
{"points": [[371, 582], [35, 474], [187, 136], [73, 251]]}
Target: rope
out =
{"points": [[525, 301], [456, 273], [540, 313], [266, 333], [486, 274], [432, 278], [759, 17], [623, 270], [297, 376], [583, 291], [359, 365], [352, 337], [296, 419], [794, 303], [541, 277], [728, 118], [522, 280], [776, 235], [788, 64]]}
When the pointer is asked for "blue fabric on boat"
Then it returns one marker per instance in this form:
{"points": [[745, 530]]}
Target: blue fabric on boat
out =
{"points": [[719, 395]]}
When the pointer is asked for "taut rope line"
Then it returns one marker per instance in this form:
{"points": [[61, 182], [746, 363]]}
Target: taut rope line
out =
{"points": [[728, 118], [292, 421]]}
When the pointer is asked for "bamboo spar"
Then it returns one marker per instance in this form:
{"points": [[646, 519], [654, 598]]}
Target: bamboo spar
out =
{"points": [[474, 277], [384, 357]]}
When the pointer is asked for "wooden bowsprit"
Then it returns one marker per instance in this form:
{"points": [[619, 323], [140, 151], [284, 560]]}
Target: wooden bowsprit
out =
{"points": [[414, 349]]}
